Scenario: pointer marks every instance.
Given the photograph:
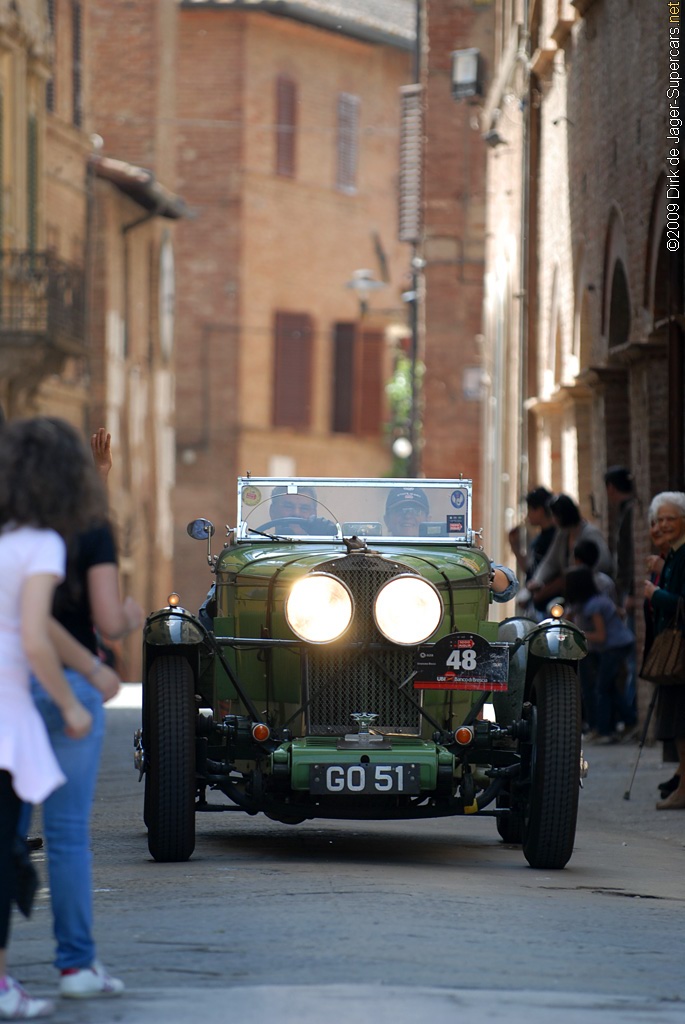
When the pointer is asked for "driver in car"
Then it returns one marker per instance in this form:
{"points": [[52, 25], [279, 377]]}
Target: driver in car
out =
{"points": [[298, 505], [407, 507]]}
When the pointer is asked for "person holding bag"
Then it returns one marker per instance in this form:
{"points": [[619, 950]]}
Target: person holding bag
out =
{"points": [[667, 510]]}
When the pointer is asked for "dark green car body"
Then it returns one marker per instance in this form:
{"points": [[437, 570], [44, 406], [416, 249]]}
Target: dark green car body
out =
{"points": [[479, 717]]}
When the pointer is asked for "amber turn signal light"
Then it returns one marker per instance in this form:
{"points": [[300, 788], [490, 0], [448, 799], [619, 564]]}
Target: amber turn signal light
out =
{"points": [[260, 732], [174, 600], [556, 611], [463, 736]]}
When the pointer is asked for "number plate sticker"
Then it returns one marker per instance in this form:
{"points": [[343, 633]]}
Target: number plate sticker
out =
{"points": [[462, 661], [372, 779]]}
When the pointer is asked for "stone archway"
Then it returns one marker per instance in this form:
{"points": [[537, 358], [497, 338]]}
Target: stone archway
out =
{"points": [[616, 337], [664, 299]]}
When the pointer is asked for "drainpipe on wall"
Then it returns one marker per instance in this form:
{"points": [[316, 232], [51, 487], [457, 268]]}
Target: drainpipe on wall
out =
{"points": [[414, 461], [523, 57]]}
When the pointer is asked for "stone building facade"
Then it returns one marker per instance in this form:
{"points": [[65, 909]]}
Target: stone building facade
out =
{"points": [[584, 302], [86, 272]]}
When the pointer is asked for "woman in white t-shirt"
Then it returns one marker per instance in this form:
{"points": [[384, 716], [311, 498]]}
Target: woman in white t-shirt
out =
{"points": [[48, 490]]}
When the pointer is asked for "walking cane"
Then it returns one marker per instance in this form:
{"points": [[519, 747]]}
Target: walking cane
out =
{"points": [[648, 718]]}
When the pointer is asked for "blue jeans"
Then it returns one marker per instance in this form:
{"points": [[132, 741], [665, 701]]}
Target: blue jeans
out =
{"points": [[611, 703], [66, 821]]}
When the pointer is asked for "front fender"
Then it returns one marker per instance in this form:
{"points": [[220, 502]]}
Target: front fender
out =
{"points": [[559, 640], [170, 627], [509, 705]]}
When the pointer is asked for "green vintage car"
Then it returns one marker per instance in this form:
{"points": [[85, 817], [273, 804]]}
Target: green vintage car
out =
{"points": [[345, 666]]}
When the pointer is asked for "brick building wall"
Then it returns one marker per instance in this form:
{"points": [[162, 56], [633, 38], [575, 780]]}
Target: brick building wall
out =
{"points": [[604, 380], [453, 247], [210, 146], [259, 243]]}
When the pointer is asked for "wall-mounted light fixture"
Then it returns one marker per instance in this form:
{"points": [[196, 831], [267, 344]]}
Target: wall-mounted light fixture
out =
{"points": [[363, 283], [467, 73]]}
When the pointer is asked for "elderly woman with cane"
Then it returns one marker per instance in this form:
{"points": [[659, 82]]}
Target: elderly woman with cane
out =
{"points": [[667, 510]]}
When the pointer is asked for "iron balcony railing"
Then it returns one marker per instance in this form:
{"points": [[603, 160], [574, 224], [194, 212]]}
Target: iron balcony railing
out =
{"points": [[41, 301]]}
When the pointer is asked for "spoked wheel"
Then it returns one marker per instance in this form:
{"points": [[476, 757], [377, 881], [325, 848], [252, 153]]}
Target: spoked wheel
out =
{"points": [[549, 821], [170, 760]]}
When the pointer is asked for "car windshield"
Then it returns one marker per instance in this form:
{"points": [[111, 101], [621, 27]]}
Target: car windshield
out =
{"points": [[325, 508]]}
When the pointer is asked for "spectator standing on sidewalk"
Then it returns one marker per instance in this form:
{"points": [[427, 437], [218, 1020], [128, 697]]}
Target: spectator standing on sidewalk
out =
{"points": [[547, 582], [610, 640], [47, 490], [586, 553], [655, 566], [539, 517], [620, 495], [88, 601], [668, 511]]}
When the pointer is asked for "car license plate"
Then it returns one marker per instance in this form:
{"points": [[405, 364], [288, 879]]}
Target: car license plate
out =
{"points": [[373, 779]]}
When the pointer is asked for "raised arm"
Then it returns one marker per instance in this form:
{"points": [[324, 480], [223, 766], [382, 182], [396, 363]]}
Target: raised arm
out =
{"points": [[101, 447]]}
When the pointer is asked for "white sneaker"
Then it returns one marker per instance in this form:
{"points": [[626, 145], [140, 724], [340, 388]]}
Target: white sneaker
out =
{"points": [[17, 1004], [89, 983]]}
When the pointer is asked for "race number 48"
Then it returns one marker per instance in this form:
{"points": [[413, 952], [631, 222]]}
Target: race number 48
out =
{"points": [[464, 660]]}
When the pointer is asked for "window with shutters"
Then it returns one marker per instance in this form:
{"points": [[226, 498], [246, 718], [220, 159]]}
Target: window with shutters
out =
{"points": [[358, 381], [286, 124], [369, 383], [76, 69], [347, 142], [292, 379], [342, 405], [32, 183], [411, 152], [50, 85]]}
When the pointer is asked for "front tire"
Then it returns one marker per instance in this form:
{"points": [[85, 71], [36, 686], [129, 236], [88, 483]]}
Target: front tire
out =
{"points": [[549, 826], [170, 755]]}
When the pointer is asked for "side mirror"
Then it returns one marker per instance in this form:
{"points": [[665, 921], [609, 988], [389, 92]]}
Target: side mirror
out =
{"points": [[200, 529]]}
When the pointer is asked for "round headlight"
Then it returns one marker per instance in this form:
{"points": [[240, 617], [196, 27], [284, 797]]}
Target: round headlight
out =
{"points": [[407, 610], [319, 608]]}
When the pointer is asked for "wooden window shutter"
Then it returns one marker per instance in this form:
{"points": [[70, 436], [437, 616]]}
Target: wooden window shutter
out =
{"points": [[342, 406], [348, 126], [411, 148], [50, 85], [76, 67], [286, 123], [370, 383], [292, 387]]}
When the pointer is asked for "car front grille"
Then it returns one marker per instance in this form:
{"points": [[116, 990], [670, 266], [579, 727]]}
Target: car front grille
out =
{"points": [[344, 680]]}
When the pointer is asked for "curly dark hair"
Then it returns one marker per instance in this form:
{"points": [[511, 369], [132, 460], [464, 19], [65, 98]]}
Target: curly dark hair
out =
{"points": [[565, 510], [47, 477]]}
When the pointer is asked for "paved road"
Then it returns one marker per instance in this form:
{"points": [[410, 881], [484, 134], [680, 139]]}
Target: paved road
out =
{"points": [[330, 923]]}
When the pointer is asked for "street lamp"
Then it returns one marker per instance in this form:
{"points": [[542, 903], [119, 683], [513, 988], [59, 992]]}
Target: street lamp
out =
{"points": [[363, 283]]}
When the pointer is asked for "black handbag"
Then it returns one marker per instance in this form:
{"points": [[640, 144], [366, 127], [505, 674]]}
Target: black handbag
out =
{"points": [[664, 662], [26, 880]]}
